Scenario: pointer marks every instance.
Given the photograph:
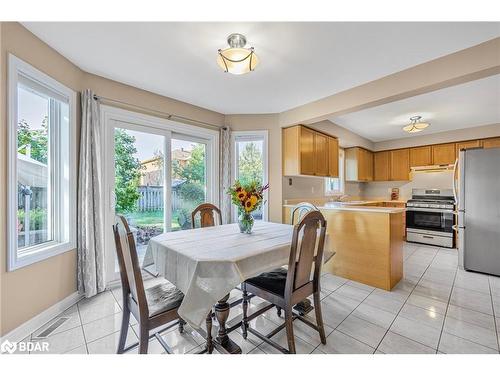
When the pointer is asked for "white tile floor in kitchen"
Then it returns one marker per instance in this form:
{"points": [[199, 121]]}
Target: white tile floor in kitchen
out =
{"points": [[436, 308]]}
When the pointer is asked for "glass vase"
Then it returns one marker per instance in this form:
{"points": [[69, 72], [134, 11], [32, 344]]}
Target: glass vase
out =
{"points": [[245, 222]]}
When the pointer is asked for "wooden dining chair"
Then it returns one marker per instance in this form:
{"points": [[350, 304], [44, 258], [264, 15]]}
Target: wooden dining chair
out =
{"points": [[300, 210], [209, 214], [284, 288], [152, 307]]}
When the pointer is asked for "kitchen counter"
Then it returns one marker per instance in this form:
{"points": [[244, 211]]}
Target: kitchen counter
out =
{"points": [[367, 239]]}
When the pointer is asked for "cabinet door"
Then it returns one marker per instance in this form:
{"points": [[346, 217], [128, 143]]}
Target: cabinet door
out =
{"points": [[467, 144], [320, 154], [491, 142], [444, 154], [306, 151], [400, 165], [420, 156], [381, 166], [291, 147], [333, 157], [368, 162]]}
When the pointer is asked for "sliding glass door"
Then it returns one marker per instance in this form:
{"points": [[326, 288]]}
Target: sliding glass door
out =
{"points": [[154, 177]]}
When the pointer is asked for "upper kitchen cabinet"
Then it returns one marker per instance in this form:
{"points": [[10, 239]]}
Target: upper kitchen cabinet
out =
{"points": [[400, 165], [468, 144], [359, 164], [491, 142], [309, 152], [381, 167], [443, 154], [420, 156], [333, 157]]}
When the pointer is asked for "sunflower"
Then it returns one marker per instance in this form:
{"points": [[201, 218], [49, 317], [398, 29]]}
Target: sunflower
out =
{"points": [[242, 194]]}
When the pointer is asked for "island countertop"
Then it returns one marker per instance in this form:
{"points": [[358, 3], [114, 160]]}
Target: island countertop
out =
{"points": [[365, 206]]}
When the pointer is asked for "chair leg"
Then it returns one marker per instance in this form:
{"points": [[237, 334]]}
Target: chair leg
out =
{"points": [[210, 345], [123, 330], [244, 323], [181, 325], [278, 311], [319, 317], [289, 329], [143, 340]]}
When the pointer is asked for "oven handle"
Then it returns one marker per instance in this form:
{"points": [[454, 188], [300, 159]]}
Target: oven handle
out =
{"points": [[440, 210]]}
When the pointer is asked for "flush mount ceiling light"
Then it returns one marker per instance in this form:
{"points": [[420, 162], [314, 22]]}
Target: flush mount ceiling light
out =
{"points": [[415, 125], [237, 59]]}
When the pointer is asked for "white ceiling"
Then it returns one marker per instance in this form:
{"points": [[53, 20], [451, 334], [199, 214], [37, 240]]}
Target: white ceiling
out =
{"points": [[467, 105], [300, 62]]}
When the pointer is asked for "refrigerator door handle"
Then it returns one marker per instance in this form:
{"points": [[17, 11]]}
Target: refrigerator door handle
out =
{"points": [[455, 182]]}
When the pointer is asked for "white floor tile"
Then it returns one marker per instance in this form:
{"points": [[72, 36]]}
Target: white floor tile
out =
{"points": [[336, 308], [360, 285], [434, 290], [80, 350], [246, 345], [452, 344], [471, 316], [397, 344], [63, 342], [427, 303], [72, 322], [416, 331], [472, 300], [331, 282], [362, 330], [340, 343], [422, 316], [374, 315], [98, 307], [352, 292], [301, 347], [472, 281], [471, 332], [102, 327], [109, 344], [386, 303]]}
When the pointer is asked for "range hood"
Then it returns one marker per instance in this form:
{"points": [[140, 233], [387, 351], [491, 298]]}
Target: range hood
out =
{"points": [[433, 168]]}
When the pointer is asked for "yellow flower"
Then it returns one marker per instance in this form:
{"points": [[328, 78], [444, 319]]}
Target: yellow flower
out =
{"points": [[242, 194], [250, 203]]}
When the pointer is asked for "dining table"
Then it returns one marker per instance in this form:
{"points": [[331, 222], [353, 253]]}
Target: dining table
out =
{"points": [[206, 264]]}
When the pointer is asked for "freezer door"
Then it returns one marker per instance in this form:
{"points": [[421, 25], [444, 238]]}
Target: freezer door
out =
{"points": [[481, 203]]}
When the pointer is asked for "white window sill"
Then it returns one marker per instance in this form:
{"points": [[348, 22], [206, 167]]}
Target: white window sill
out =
{"points": [[39, 253]]}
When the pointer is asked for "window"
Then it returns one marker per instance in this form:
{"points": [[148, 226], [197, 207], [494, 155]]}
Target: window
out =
{"points": [[335, 186], [42, 166], [250, 162]]}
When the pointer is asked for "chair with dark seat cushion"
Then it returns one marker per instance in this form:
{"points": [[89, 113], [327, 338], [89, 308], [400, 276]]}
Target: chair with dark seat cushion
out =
{"points": [[152, 307], [284, 288]]}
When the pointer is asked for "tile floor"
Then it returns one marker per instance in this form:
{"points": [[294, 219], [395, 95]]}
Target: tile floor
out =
{"points": [[436, 308]]}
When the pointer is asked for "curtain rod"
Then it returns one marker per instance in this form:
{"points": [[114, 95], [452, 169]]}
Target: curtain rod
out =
{"points": [[169, 116]]}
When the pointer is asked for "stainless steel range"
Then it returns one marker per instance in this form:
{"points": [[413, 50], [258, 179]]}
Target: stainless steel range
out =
{"points": [[430, 217]]}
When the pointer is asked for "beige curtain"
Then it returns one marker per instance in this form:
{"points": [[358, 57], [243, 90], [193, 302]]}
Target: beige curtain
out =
{"points": [[90, 218]]}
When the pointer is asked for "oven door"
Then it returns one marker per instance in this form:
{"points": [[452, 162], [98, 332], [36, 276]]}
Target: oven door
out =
{"points": [[429, 219]]}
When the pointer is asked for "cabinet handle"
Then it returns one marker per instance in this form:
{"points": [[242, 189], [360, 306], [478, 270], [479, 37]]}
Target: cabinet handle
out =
{"points": [[430, 237]]}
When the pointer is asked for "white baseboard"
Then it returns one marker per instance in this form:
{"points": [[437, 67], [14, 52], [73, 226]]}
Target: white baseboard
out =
{"points": [[25, 329]]}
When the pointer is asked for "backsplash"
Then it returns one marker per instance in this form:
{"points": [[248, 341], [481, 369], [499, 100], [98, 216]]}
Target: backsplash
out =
{"points": [[437, 180], [314, 187]]}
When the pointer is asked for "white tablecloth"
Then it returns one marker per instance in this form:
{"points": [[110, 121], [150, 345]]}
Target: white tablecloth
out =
{"points": [[207, 263]]}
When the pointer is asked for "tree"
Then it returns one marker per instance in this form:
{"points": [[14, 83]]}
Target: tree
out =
{"points": [[250, 164], [36, 139], [127, 172]]}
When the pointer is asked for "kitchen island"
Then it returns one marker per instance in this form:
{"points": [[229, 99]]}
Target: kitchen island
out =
{"points": [[367, 239]]}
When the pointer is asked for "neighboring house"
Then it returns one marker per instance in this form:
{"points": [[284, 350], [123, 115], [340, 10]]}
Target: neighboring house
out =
{"points": [[152, 168]]}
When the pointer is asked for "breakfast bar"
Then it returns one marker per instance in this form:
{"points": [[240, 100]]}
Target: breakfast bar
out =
{"points": [[367, 239]]}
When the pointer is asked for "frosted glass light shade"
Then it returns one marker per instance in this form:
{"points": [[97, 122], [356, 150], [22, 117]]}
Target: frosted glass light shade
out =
{"points": [[237, 60]]}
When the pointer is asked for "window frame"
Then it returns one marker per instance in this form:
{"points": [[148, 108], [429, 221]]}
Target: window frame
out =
{"points": [[249, 135], [341, 177], [64, 233]]}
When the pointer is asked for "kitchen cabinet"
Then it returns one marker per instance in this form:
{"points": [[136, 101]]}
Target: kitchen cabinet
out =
{"points": [[333, 157], [491, 142], [467, 144], [381, 166], [359, 164], [400, 165], [420, 156], [307, 152], [443, 154]]}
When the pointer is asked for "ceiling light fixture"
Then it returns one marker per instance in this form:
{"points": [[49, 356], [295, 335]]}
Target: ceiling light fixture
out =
{"points": [[415, 125], [237, 59]]}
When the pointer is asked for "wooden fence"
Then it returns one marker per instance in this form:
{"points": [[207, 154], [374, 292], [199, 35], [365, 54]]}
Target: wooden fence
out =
{"points": [[151, 198]]}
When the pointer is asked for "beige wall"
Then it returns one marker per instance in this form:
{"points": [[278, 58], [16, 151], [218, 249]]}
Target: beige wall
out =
{"points": [[28, 291], [269, 122], [346, 137]]}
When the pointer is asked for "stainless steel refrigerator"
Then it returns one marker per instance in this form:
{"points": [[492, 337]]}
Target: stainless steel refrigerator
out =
{"points": [[478, 194]]}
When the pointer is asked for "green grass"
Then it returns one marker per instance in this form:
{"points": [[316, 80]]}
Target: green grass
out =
{"points": [[151, 218]]}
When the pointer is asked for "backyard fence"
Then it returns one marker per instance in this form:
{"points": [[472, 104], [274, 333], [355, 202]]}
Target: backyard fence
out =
{"points": [[151, 198]]}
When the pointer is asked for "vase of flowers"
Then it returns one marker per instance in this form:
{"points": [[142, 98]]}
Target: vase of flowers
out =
{"points": [[247, 197]]}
